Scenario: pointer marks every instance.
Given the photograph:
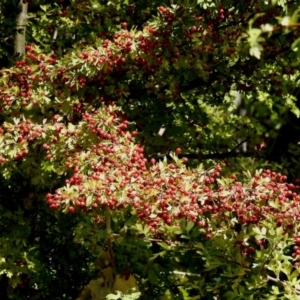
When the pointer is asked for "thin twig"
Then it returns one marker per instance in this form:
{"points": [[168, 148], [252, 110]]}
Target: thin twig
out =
{"points": [[278, 281]]}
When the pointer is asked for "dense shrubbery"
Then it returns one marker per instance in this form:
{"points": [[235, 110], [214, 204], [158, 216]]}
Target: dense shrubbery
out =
{"points": [[125, 151]]}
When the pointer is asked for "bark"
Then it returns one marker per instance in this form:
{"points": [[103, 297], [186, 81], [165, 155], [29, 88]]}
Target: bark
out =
{"points": [[21, 28]]}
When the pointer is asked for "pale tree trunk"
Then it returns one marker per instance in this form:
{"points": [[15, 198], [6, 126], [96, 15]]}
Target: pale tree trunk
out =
{"points": [[21, 28], [241, 111]]}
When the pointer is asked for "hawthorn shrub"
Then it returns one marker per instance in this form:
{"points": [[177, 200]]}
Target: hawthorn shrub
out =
{"points": [[126, 164]]}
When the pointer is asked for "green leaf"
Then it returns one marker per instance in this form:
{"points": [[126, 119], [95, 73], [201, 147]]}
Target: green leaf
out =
{"points": [[189, 226], [119, 295], [164, 245], [256, 51], [231, 295]]}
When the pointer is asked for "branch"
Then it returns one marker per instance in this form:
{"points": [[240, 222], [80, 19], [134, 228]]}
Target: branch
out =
{"points": [[200, 156], [186, 274], [239, 144], [278, 281]]}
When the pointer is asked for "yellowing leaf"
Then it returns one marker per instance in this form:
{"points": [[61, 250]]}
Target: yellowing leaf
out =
{"points": [[98, 292], [123, 285]]}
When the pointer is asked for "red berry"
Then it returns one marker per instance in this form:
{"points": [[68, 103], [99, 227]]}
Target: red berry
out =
{"points": [[208, 236], [72, 210], [177, 150], [185, 160], [152, 161], [162, 9]]}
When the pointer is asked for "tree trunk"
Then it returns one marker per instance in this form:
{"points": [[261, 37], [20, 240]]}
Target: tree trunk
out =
{"points": [[21, 28]]}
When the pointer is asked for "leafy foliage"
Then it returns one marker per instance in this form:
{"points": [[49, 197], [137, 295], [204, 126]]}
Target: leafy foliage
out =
{"points": [[136, 141]]}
